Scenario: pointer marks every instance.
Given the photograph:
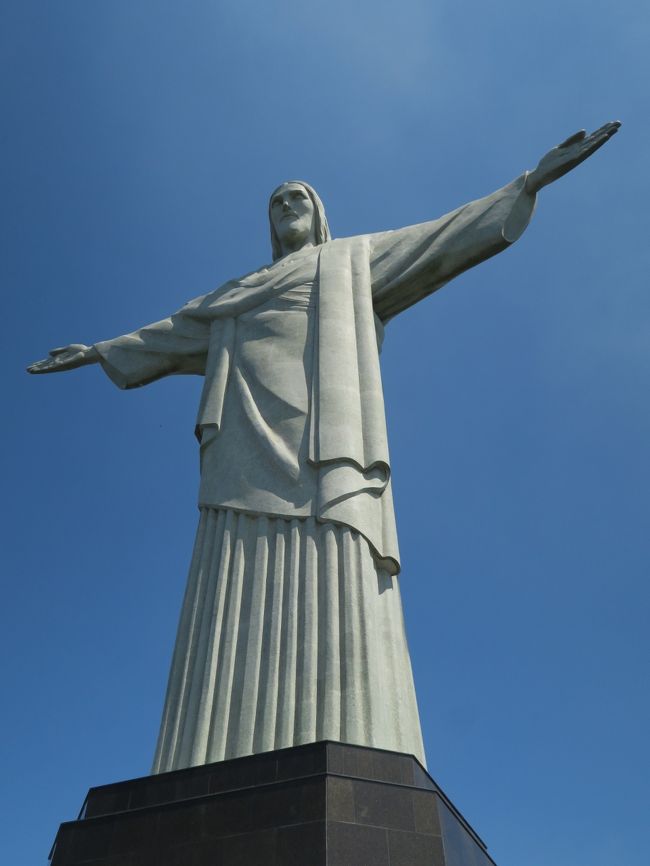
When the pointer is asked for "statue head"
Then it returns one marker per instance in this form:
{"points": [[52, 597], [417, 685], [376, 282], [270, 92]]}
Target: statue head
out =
{"points": [[297, 218]]}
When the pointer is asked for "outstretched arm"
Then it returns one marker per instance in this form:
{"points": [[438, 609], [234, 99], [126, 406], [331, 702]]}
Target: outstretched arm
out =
{"points": [[411, 263], [178, 344]]}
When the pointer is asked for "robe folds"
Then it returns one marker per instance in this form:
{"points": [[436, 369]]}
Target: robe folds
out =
{"points": [[292, 429]]}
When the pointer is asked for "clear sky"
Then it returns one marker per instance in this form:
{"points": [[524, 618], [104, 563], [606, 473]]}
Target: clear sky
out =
{"points": [[140, 142]]}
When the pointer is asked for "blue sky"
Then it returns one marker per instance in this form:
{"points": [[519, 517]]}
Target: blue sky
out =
{"points": [[140, 143]]}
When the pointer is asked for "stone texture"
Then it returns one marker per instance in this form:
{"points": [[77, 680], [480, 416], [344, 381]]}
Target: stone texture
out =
{"points": [[294, 637], [322, 804]]}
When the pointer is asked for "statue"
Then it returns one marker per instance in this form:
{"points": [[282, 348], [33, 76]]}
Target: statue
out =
{"points": [[291, 630]]}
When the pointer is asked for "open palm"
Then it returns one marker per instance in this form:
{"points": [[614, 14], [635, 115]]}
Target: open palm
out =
{"points": [[569, 154], [66, 358]]}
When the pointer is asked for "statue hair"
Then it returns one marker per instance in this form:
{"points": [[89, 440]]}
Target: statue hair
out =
{"points": [[321, 228]]}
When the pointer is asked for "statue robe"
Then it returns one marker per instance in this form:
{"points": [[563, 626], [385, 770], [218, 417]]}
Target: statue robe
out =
{"points": [[291, 629]]}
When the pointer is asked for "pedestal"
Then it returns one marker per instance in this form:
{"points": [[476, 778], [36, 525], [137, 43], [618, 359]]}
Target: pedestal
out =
{"points": [[322, 804]]}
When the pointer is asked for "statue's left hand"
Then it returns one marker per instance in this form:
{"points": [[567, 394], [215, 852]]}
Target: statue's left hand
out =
{"points": [[568, 155]]}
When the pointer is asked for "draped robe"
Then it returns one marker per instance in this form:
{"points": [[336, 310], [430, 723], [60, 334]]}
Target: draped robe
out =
{"points": [[291, 629]]}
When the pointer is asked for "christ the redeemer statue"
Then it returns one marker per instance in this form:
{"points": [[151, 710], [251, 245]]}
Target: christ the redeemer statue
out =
{"points": [[291, 629]]}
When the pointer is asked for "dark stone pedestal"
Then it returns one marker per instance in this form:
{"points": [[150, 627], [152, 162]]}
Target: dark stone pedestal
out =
{"points": [[323, 804]]}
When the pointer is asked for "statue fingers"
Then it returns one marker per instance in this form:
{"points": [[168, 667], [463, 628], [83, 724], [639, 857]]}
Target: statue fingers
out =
{"points": [[595, 145], [606, 131], [597, 139], [62, 361], [574, 139], [41, 366], [610, 128]]}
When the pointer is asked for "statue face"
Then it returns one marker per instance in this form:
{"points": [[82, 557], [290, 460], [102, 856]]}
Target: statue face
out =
{"points": [[292, 213]]}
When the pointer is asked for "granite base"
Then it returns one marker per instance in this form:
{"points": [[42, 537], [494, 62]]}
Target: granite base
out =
{"points": [[322, 804]]}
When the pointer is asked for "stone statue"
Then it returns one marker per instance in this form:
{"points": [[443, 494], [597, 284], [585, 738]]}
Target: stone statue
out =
{"points": [[291, 629]]}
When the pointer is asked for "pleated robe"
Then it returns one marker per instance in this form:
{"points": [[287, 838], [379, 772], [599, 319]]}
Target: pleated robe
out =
{"points": [[291, 629]]}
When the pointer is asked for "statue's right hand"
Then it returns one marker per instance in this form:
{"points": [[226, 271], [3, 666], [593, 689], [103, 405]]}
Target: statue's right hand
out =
{"points": [[66, 358]]}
